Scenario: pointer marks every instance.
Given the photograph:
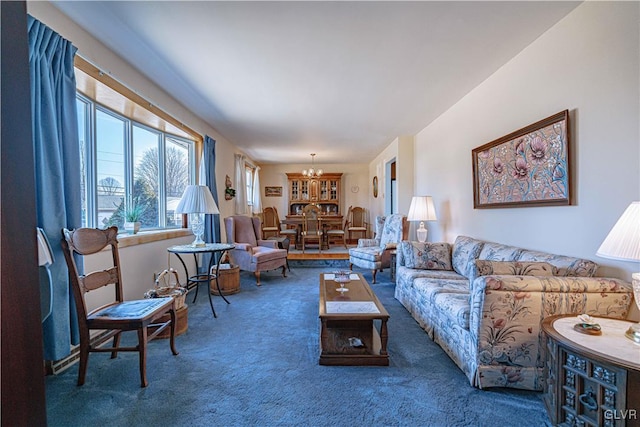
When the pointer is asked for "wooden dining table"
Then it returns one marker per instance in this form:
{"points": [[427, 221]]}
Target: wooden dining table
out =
{"points": [[326, 222]]}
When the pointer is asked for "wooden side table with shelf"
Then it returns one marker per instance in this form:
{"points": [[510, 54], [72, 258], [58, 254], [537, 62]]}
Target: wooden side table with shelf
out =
{"points": [[592, 380]]}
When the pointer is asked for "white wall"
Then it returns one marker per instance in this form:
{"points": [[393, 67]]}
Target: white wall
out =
{"points": [[587, 63], [138, 265]]}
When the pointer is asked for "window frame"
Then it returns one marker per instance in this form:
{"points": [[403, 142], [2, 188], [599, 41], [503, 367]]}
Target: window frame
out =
{"points": [[91, 106]]}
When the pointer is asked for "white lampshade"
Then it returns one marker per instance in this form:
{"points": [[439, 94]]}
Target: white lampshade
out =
{"points": [[422, 209], [623, 241], [197, 199]]}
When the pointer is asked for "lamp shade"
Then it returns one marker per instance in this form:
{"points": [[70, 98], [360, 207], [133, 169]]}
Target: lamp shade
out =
{"points": [[197, 199], [422, 209], [623, 241]]}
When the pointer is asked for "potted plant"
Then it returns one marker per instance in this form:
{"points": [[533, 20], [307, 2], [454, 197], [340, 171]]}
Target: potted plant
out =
{"points": [[229, 193], [132, 217]]}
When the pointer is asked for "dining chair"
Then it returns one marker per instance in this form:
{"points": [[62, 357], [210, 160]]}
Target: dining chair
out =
{"points": [[270, 222], [118, 315], [311, 226], [339, 233], [357, 222]]}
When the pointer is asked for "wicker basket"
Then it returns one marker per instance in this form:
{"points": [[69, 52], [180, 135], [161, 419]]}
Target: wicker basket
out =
{"points": [[164, 288], [229, 280]]}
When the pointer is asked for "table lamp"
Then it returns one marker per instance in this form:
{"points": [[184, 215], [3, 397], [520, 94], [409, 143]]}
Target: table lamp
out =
{"points": [[422, 209], [623, 243], [196, 201]]}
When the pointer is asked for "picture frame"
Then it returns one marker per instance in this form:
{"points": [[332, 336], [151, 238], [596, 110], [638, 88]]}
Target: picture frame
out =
{"points": [[528, 167], [272, 191], [375, 186]]}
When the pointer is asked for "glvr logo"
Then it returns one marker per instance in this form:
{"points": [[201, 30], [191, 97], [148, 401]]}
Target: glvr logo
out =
{"points": [[620, 414]]}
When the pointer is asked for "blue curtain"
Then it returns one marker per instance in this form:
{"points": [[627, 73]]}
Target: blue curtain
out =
{"points": [[212, 222], [57, 169]]}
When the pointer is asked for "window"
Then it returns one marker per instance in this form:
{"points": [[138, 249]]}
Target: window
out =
{"points": [[125, 164], [248, 173]]}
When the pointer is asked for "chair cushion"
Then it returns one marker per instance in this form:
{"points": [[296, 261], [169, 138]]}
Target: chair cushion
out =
{"points": [[131, 309], [262, 254], [426, 256], [515, 268], [335, 231], [370, 253]]}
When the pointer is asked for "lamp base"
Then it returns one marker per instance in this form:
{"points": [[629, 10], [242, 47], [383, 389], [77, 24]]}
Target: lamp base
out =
{"points": [[421, 233]]}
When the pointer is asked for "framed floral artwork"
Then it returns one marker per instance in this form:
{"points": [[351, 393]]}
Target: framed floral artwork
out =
{"points": [[530, 166]]}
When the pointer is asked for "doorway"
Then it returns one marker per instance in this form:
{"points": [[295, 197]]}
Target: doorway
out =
{"points": [[391, 202]]}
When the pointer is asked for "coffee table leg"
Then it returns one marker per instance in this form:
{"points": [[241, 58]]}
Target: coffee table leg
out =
{"points": [[383, 337], [324, 336]]}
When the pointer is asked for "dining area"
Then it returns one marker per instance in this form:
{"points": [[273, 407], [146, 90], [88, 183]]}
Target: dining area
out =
{"points": [[313, 228]]}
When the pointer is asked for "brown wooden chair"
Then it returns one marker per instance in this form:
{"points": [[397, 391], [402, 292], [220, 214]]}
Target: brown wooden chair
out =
{"points": [[339, 233], [357, 218], [291, 233], [116, 316], [270, 222], [311, 226]]}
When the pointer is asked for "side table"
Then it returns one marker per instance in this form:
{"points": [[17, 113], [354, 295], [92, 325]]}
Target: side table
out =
{"points": [[198, 278], [592, 380], [392, 263], [283, 243]]}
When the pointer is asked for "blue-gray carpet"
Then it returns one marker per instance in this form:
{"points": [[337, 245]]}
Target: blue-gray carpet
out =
{"points": [[257, 365]]}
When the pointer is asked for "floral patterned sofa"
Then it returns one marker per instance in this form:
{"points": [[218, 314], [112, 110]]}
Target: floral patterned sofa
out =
{"points": [[484, 302]]}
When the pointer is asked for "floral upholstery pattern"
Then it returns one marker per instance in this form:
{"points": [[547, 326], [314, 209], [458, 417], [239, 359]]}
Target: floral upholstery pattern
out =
{"points": [[375, 254], [426, 256], [499, 252], [392, 231], [567, 266], [465, 252], [515, 268], [490, 325]]}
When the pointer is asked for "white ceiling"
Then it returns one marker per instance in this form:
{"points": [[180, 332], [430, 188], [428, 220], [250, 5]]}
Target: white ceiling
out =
{"points": [[281, 80]]}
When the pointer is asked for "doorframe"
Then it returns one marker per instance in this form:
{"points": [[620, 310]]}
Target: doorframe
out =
{"points": [[391, 199]]}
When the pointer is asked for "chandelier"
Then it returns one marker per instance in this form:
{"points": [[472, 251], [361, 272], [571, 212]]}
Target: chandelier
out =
{"points": [[311, 172]]}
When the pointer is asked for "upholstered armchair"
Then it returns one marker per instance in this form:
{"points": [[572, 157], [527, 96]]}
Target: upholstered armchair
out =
{"points": [[375, 253], [252, 253]]}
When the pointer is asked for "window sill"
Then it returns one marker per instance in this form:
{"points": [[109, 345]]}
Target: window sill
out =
{"points": [[143, 237]]}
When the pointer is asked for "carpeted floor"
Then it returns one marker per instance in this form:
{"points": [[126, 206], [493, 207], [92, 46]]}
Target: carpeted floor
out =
{"points": [[257, 365]]}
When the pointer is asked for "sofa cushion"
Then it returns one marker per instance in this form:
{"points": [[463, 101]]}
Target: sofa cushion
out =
{"points": [[515, 268], [426, 256], [464, 254], [499, 252], [429, 288], [454, 308], [567, 266]]}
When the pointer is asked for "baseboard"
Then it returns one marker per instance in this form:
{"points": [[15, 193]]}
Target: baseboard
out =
{"points": [[54, 367]]}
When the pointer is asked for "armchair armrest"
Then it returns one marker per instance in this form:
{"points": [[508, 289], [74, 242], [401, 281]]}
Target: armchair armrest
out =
{"points": [[268, 244], [506, 312], [364, 243], [243, 247]]}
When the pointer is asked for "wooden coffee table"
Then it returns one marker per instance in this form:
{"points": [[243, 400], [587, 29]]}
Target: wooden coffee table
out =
{"points": [[349, 333]]}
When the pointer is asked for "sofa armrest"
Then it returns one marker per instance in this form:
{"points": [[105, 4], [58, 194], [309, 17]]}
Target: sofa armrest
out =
{"points": [[506, 312]]}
